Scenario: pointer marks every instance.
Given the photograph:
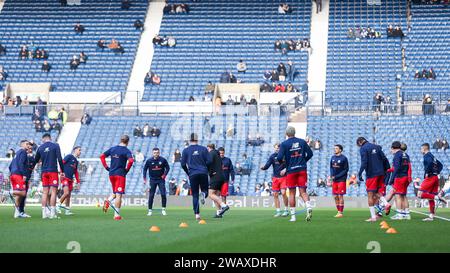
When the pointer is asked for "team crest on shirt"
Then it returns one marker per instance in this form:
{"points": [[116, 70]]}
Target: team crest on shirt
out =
{"points": [[55, 182], [195, 153], [295, 145], [119, 189], [17, 186], [374, 151], [46, 150], [339, 161]]}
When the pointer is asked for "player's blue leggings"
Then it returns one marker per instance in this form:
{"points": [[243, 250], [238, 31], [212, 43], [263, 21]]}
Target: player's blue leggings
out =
{"points": [[162, 189], [198, 182]]}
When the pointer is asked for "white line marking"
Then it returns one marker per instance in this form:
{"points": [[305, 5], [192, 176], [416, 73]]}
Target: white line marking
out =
{"points": [[438, 217]]}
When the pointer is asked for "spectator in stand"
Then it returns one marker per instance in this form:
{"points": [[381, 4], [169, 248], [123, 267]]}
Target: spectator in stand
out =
{"points": [[284, 47], [46, 126], [126, 4], [2, 50], [318, 6], [321, 183], [45, 67], [146, 130], [157, 40], [62, 115], [291, 70], [352, 181], [317, 145], [171, 42], [191, 98], [277, 45], [246, 165], [241, 66], [284, 8], [209, 88], [138, 24], [10, 153], [23, 54], [83, 57], [290, 87], [176, 156], [152, 78], [280, 88], [74, 63], [155, 131], [444, 145], [2, 73], [137, 131], [282, 71], [86, 119], [267, 75], [225, 77], [116, 47], [56, 126], [275, 76], [164, 41], [139, 156], [25, 101], [431, 74], [265, 87], [101, 44], [447, 107], [229, 101], [253, 100], [79, 28]]}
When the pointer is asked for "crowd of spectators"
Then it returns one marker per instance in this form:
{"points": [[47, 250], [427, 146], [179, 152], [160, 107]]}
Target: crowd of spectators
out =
{"points": [[430, 2], [382, 103], [164, 41], [146, 131], [284, 46], [175, 8], [313, 144], [394, 31], [152, 78], [33, 53], [363, 33], [54, 120], [425, 74], [440, 144], [428, 105], [284, 8], [255, 140], [77, 60], [86, 119]]}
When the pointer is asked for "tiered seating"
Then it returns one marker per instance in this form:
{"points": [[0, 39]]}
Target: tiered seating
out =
{"points": [[345, 130], [13, 129], [358, 69], [110, 129], [48, 25], [428, 46], [215, 34]]}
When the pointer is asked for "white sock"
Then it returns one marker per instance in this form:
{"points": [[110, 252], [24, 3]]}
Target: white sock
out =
{"points": [[278, 210], [44, 210], [150, 210], [222, 205], [383, 201], [217, 212], [292, 211], [406, 211], [117, 213], [372, 212], [111, 199]]}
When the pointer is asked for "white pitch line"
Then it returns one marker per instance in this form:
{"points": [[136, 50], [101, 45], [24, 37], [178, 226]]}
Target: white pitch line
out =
{"points": [[438, 217]]}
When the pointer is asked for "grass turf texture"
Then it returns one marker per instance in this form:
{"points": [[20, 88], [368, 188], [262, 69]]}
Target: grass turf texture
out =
{"points": [[241, 230]]}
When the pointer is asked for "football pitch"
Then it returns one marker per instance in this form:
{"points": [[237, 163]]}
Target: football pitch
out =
{"points": [[241, 230]]}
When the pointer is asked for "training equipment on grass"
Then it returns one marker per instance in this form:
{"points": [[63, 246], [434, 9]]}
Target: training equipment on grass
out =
{"points": [[391, 231], [183, 225], [385, 226], [155, 229], [202, 222]]}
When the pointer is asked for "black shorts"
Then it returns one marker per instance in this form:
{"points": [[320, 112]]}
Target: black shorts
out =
{"points": [[216, 185]]}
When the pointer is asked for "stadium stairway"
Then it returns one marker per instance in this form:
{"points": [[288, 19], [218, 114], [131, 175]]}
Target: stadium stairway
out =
{"points": [[68, 136], [145, 51], [317, 64]]}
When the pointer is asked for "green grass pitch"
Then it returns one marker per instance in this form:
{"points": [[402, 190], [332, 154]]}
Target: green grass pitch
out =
{"points": [[241, 230]]}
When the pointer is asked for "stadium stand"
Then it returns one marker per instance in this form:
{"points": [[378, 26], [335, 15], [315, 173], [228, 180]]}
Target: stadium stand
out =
{"points": [[356, 69], [215, 35], [331, 130], [427, 46], [111, 128], [48, 25]]}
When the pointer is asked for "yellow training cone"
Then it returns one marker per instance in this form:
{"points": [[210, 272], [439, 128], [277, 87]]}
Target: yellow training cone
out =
{"points": [[383, 223], [155, 229], [202, 222], [183, 225], [391, 231], [385, 226]]}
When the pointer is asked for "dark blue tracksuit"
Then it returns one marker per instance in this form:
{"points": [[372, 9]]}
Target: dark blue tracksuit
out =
{"points": [[373, 160], [157, 169], [195, 161], [29, 171], [296, 153], [276, 165], [228, 170], [431, 165], [339, 168]]}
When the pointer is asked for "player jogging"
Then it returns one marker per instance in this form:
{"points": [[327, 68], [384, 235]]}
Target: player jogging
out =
{"points": [[278, 182], [50, 155], [338, 175], [195, 161], [18, 172], [429, 187], [216, 180], [118, 170], [375, 164], [400, 179], [157, 168], [70, 171], [228, 171], [296, 153]]}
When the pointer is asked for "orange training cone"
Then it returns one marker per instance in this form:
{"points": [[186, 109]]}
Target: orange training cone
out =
{"points": [[385, 226], [183, 225], [391, 231], [383, 223], [202, 222], [155, 229]]}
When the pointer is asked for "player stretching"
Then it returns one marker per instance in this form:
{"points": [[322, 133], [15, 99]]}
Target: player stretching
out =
{"points": [[117, 172], [50, 155], [278, 182], [296, 153], [18, 172], [429, 187], [195, 161], [338, 173], [157, 168], [70, 171], [217, 178], [375, 163], [400, 170], [228, 170]]}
